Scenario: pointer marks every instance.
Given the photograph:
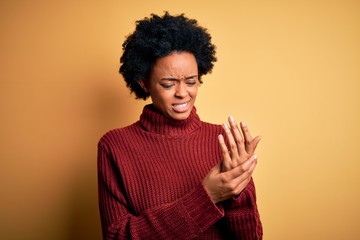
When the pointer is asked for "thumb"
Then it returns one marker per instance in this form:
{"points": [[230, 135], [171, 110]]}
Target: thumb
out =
{"points": [[251, 147]]}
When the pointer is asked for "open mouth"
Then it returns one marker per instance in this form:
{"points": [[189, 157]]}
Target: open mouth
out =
{"points": [[180, 108]]}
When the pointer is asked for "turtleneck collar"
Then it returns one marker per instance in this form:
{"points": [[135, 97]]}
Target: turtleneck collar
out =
{"points": [[155, 122]]}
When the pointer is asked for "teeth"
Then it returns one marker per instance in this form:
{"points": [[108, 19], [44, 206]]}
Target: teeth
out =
{"points": [[180, 107]]}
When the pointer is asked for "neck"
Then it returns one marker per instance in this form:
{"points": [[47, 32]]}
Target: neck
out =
{"points": [[154, 121]]}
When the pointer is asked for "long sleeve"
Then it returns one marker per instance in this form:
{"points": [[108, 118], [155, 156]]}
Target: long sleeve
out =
{"points": [[149, 183], [242, 217], [184, 218]]}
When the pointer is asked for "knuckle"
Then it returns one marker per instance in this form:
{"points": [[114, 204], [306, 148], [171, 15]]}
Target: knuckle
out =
{"points": [[234, 192], [226, 168], [240, 141], [233, 164], [224, 151], [243, 167], [233, 147], [226, 165], [224, 178], [232, 187]]}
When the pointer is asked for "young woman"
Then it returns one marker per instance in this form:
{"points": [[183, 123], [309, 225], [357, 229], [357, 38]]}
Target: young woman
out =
{"points": [[171, 175]]}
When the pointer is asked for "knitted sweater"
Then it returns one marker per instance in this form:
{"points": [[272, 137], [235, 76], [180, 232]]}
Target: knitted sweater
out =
{"points": [[150, 183]]}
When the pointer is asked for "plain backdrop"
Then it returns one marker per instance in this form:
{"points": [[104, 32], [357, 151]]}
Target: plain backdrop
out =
{"points": [[290, 69]]}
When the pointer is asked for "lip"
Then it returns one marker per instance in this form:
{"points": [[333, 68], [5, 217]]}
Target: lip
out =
{"points": [[180, 103], [181, 107]]}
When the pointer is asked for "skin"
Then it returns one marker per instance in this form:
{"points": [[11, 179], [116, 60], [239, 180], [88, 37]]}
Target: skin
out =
{"points": [[229, 177], [173, 84], [241, 144]]}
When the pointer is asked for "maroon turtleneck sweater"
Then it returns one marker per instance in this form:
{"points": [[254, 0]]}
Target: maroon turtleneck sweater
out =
{"points": [[150, 183]]}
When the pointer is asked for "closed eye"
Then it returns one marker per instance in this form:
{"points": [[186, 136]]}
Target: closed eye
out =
{"points": [[192, 80], [169, 82], [167, 85]]}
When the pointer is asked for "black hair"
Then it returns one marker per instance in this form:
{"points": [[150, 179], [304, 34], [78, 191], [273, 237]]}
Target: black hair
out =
{"points": [[158, 36]]}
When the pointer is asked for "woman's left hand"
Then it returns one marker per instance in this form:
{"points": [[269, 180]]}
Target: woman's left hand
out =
{"points": [[240, 142]]}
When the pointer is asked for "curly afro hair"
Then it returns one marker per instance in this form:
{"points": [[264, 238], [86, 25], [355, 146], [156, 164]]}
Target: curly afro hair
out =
{"points": [[156, 37]]}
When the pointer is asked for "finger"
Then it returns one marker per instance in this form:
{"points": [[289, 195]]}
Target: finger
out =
{"points": [[250, 143], [240, 187], [232, 144], [253, 145], [242, 181], [237, 136], [224, 153], [243, 168], [246, 132], [237, 185]]}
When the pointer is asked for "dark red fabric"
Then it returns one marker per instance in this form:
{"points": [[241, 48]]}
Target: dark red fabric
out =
{"points": [[150, 183]]}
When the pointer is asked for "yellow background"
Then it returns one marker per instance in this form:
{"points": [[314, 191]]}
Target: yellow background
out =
{"points": [[291, 69]]}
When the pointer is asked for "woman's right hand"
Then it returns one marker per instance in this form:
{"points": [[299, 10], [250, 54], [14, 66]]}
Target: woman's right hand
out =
{"points": [[224, 185]]}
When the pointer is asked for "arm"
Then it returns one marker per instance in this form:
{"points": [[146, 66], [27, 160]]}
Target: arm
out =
{"points": [[236, 193], [182, 219], [241, 213]]}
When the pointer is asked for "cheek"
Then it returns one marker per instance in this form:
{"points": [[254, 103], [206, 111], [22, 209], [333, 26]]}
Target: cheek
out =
{"points": [[194, 91], [162, 96]]}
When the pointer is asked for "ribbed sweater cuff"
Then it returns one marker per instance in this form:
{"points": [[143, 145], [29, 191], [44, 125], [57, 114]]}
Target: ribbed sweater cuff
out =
{"points": [[200, 210]]}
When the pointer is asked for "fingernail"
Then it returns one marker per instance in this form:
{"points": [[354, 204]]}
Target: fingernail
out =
{"points": [[220, 137], [243, 124], [255, 157], [226, 126], [232, 119]]}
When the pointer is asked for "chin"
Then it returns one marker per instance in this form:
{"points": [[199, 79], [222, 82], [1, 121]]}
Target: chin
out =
{"points": [[180, 116]]}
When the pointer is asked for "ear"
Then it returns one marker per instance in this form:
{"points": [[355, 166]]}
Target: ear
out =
{"points": [[142, 85]]}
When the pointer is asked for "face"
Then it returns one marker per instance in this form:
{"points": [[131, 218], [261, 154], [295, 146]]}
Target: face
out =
{"points": [[173, 84]]}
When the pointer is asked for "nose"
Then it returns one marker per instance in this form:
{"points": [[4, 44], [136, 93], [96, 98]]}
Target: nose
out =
{"points": [[181, 90]]}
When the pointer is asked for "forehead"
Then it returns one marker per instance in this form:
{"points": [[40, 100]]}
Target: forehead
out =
{"points": [[176, 64]]}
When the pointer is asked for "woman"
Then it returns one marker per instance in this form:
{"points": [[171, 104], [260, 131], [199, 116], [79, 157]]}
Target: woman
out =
{"points": [[170, 175]]}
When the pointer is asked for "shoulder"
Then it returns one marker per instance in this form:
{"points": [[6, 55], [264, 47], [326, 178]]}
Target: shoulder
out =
{"points": [[117, 135], [211, 125], [211, 128]]}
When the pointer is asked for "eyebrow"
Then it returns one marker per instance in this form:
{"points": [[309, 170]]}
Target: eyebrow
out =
{"points": [[177, 79]]}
